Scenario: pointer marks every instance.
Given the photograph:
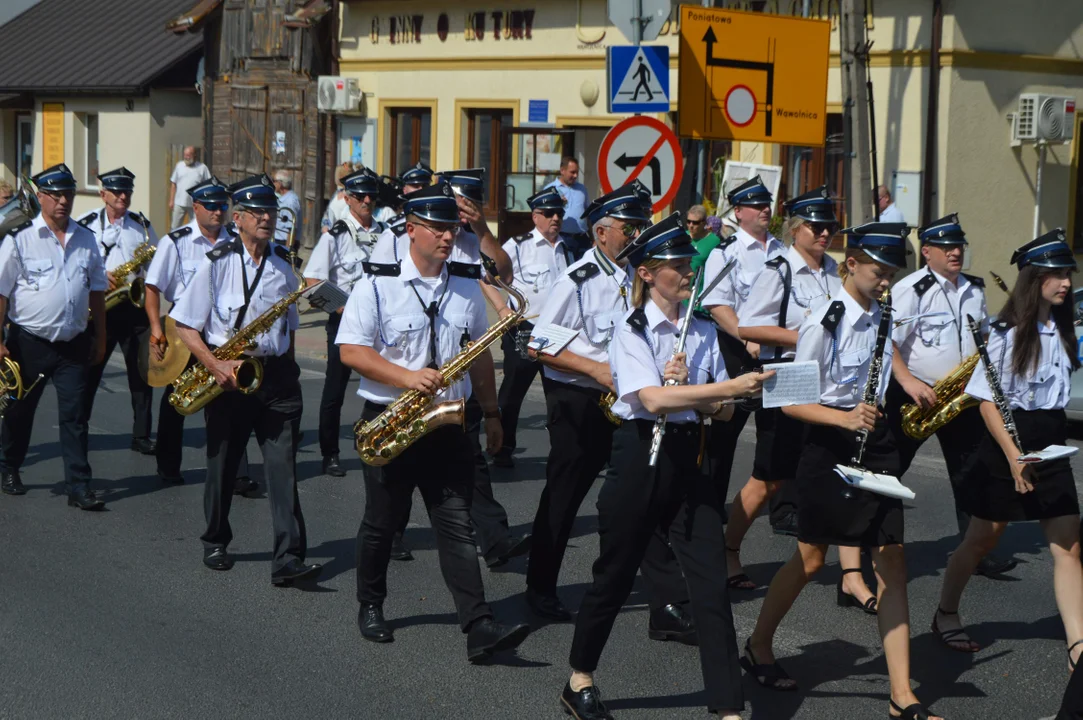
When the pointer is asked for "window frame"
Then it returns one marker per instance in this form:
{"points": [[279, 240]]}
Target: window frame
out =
{"points": [[387, 132]]}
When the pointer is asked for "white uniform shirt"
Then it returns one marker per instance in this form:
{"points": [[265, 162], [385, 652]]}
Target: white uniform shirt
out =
{"points": [[595, 306], [932, 347], [384, 213], [117, 241], [845, 355], [337, 209], [185, 178], [339, 258], [751, 255], [387, 313], [47, 284], [289, 200], [892, 214], [215, 295], [391, 248], [637, 363], [536, 265], [809, 291], [1048, 387], [178, 258]]}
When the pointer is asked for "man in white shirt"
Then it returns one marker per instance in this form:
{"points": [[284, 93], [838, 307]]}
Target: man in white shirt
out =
{"points": [[888, 212], [287, 199], [188, 173], [574, 194]]}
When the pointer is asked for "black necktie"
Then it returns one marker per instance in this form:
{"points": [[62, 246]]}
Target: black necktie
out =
{"points": [[431, 311]]}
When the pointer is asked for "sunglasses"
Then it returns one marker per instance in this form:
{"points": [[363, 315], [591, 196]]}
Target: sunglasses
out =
{"points": [[214, 206], [694, 222], [550, 212], [818, 228]]}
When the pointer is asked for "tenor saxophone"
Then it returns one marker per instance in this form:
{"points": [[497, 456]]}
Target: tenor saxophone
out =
{"points": [[196, 386], [415, 414], [951, 400], [136, 290]]}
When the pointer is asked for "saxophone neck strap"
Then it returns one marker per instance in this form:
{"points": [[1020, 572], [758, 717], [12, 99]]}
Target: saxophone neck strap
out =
{"points": [[249, 290]]}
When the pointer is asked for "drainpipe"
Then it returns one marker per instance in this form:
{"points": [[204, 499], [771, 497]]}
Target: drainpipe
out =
{"points": [[928, 192]]}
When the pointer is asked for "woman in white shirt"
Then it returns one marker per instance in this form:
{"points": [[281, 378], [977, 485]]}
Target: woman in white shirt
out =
{"points": [[1032, 349]]}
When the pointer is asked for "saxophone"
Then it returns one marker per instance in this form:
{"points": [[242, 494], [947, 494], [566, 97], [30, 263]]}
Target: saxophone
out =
{"points": [[196, 386], [136, 290], [415, 414], [605, 402], [921, 423]]}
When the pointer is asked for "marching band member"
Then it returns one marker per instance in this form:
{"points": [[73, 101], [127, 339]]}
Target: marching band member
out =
{"points": [[930, 347], [170, 271], [119, 232], [841, 337], [538, 259], [400, 326], [51, 276], [675, 496], [236, 284], [592, 298], [1032, 348], [339, 257]]}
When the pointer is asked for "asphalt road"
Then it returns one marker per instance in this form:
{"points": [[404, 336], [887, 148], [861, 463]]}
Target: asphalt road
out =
{"points": [[112, 614]]}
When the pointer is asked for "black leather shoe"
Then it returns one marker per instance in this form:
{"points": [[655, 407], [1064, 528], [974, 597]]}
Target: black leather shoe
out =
{"points": [[370, 618], [84, 500], [293, 571], [502, 459], [672, 622], [508, 548], [488, 637], [547, 606], [244, 485], [786, 525], [12, 484], [331, 466], [144, 445], [584, 705], [399, 551], [171, 478], [216, 558], [991, 566]]}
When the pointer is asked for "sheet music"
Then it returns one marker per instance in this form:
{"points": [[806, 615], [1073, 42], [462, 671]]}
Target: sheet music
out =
{"points": [[873, 482], [1053, 452], [796, 383], [551, 339], [326, 296]]}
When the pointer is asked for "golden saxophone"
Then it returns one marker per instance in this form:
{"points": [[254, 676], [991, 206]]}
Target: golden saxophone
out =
{"points": [[921, 423], [415, 414], [606, 404], [136, 290], [11, 384], [196, 386]]}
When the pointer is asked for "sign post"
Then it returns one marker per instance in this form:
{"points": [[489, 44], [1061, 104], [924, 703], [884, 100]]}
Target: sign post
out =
{"points": [[639, 20], [642, 148]]}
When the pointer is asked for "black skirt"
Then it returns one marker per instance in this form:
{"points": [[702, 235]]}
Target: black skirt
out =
{"points": [[990, 490], [831, 512], [778, 445]]}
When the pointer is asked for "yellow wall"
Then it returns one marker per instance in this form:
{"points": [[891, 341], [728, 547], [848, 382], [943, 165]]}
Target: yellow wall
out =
{"points": [[175, 119]]}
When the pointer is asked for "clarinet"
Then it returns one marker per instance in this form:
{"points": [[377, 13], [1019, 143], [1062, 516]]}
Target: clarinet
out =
{"points": [[876, 366], [992, 377]]}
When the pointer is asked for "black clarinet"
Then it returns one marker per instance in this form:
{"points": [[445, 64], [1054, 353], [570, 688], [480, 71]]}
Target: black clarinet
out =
{"points": [[992, 377], [876, 367]]}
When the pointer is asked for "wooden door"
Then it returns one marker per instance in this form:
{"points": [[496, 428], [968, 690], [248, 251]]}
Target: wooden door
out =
{"points": [[248, 139]]}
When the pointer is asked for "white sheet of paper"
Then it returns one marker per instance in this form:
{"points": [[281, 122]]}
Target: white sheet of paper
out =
{"points": [[1053, 452], [874, 482], [796, 383], [551, 339], [326, 296]]}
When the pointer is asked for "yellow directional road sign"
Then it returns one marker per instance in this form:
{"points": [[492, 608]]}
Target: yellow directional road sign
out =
{"points": [[752, 76]]}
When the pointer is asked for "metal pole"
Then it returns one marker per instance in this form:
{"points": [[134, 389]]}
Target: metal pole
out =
{"points": [[637, 23], [701, 154], [1038, 190]]}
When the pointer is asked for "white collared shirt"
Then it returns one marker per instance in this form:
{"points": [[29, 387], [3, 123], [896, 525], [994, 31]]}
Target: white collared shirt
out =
{"points": [[1046, 387], [637, 363], [536, 264], [339, 258], [391, 248], [809, 291], [593, 305], [117, 241], [48, 284], [845, 355], [933, 346], [387, 313], [215, 295], [176, 261], [750, 254]]}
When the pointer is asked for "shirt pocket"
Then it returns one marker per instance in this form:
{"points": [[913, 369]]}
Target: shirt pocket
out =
{"points": [[408, 333], [935, 330], [39, 270], [600, 326], [227, 306], [537, 276], [1044, 386], [851, 365]]}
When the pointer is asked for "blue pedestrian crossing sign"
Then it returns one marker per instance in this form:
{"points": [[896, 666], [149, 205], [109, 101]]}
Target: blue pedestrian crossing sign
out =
{"points": [[638, 78]]}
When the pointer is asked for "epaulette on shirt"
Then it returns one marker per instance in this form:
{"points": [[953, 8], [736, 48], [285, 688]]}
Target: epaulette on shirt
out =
{"points": [[638, 321], [975, 280], [384, 269], [583, 273], [834, 316], [136, 218], [1000, 325], [16, 230], [221, 250], [87, 219], [923, 285], [282, 252], [339, 227], [775, 263], [466, 270], [180, 232], [726, 242], [522, 238]]}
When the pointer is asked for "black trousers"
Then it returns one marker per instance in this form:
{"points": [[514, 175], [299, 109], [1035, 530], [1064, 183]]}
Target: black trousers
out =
{"points": [[959, 441], [273, 413], [580, 441], [170, 438], [519, 373], [66, 364], [1072, 704], [334, 390], [684, 502], [440, 465], [125, 326]]}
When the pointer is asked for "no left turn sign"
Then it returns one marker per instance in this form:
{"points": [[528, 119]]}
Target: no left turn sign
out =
{"points": [[642, 148]]}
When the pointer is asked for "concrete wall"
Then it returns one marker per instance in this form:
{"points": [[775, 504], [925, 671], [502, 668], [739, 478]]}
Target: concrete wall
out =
{"points": [[175, 119]]}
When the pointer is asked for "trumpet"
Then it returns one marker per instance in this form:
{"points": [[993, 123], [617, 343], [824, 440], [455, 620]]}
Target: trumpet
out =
{"points": [[286, 213], [11, 384], [136, 290]]}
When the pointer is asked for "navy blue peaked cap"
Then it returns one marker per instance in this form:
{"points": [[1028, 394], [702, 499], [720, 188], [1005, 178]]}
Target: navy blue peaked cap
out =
{"points": [[435, 203], [1048, 251], [750, 192], [256, 192], [814, 206], [212, 190], [362, 182], [468, 183], [945, 231], [624, 203], [667, 239], [122, 179], [57, 178], [883, 242]]}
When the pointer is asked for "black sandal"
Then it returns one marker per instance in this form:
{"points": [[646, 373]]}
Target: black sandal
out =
{"points": [[914, 712], [845, 599], [1072, 647], [951, 638], [769, 676], [739, 581]]}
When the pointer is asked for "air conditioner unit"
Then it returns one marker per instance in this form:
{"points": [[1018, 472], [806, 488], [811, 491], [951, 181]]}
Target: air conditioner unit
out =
{"points": [[337, 94], [1047, 118]]}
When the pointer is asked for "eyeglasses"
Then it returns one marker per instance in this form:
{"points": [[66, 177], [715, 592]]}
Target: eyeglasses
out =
{"points": [[550, 212], [214, 206], [259, 212], [629, 231], [58, 194], [452, 230], [818, 228]]}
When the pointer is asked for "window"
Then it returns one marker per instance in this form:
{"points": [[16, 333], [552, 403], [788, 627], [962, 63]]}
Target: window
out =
{"points": [[90, 123], [806, 168], [481, 145], [411, 134]]}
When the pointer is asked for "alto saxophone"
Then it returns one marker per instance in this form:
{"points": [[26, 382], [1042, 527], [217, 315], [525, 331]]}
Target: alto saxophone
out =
{"points": [[921, 423], [415, 414], [196, 386], [136, 290]]}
